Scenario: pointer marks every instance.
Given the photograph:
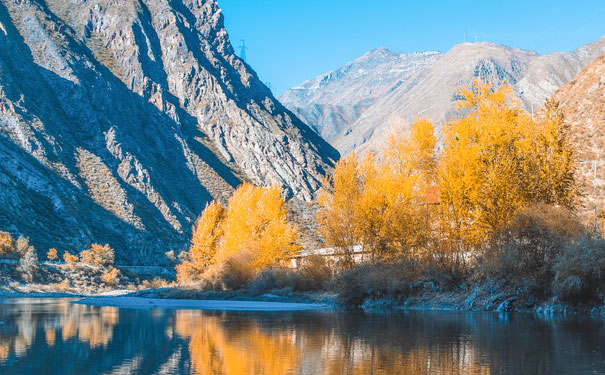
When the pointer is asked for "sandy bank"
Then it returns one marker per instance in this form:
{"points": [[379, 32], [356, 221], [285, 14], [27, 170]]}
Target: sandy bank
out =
{"points": [[142, 303]]}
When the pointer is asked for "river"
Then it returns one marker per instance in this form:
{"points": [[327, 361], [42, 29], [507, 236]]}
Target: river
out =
{"points": [[54, 336]]}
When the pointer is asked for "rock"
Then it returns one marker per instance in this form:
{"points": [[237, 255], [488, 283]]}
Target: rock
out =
{"points": [[120, 120]]}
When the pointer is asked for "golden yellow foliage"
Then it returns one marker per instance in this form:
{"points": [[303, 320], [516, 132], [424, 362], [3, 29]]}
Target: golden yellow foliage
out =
{"points": [[70, 258], [254, 224], [52, 254], [497, 160], [380, 203], [111, 277], [7, 243], [207, 235], [98, 255]]}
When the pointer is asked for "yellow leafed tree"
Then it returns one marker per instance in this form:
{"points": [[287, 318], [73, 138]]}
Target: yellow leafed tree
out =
{"points": [[207, 235], [497, 160], [256, 223], [253, 229]]}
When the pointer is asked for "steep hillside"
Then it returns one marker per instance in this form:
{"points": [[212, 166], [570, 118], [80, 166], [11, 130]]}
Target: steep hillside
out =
{"points": [[333, 100], [431, 93], [119, 120], [582, 101]]}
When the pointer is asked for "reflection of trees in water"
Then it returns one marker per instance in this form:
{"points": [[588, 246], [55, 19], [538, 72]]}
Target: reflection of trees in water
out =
{"points": [[58, 317], [236, 349], [54, 336], [59, 337]]}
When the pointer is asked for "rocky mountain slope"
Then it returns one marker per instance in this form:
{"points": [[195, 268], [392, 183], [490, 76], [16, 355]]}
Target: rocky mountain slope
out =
{"points": [[331, 101], [430, 91], [582, 101], [119, 120]]}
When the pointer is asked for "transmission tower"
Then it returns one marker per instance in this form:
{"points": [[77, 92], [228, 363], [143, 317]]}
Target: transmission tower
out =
{"points": [[242, 49]]}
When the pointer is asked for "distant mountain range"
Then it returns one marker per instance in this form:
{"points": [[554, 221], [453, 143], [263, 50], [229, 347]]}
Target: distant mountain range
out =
{"points": [[355, 107], [120, 120]]}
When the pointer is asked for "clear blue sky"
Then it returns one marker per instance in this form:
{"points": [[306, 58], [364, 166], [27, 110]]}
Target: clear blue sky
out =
{"points": [[291, 41]]}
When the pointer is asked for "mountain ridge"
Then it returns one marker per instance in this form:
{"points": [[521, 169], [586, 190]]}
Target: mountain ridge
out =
{"points": [[431, 91], [120, 120]]}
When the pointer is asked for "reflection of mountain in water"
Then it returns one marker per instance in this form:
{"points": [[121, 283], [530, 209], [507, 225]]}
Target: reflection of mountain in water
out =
{"points": [[54, 336]]}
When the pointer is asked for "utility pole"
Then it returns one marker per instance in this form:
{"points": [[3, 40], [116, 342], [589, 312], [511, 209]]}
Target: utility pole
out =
{"points": [[242, 50]]}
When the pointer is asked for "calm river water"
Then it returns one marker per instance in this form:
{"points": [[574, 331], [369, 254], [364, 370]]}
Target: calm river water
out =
{"points": [[53, 336]]}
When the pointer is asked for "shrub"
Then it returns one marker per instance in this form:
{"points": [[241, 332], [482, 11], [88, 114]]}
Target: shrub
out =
{"points": [[52, 254], [97, 255], [237, 271], [70, 259], [394, 281], [523, 254], [187, 272], [580, 270], [22, 246], [7, 243], [111, 277], [271, 278], [28, 265], [315, 273]]}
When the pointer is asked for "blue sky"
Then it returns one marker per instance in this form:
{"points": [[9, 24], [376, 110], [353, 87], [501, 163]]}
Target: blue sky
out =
{"points": [[290, 41]]}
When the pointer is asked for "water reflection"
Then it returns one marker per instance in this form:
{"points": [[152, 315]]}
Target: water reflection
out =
{"points": [[55, 336]]}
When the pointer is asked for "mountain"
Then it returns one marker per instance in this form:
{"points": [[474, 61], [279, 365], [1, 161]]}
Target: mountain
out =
{"points": [[120, 120], [331, 101], [430, 91], [582, 102]]}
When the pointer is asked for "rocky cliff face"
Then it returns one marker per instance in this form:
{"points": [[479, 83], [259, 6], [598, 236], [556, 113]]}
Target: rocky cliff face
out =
{"points": [[119, 120], [428, 90]]}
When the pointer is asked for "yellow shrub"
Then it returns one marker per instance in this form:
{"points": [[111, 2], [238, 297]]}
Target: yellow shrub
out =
{"points": [[98, 255], [52, 254], [111, 277], [7, 243], [70, 258]]}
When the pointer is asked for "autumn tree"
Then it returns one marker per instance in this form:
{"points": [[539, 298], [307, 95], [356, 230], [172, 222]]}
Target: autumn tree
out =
{"points": [[339, 217], [253, 231], [256, 222], [497, 160], [98, 255], [379, 203], [7, 243], [207, 235], [52, 254]]}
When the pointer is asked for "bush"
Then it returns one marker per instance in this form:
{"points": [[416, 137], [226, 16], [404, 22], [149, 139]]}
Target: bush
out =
{"points": [[187, 272], [237, 271], [7, 244], [580, 270], [315, 274], [524, 252], [28, 265], [111, 277], [97, 255], [70, 259], [22, 246], [367, 281], [52, 254], [271, 278]]}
